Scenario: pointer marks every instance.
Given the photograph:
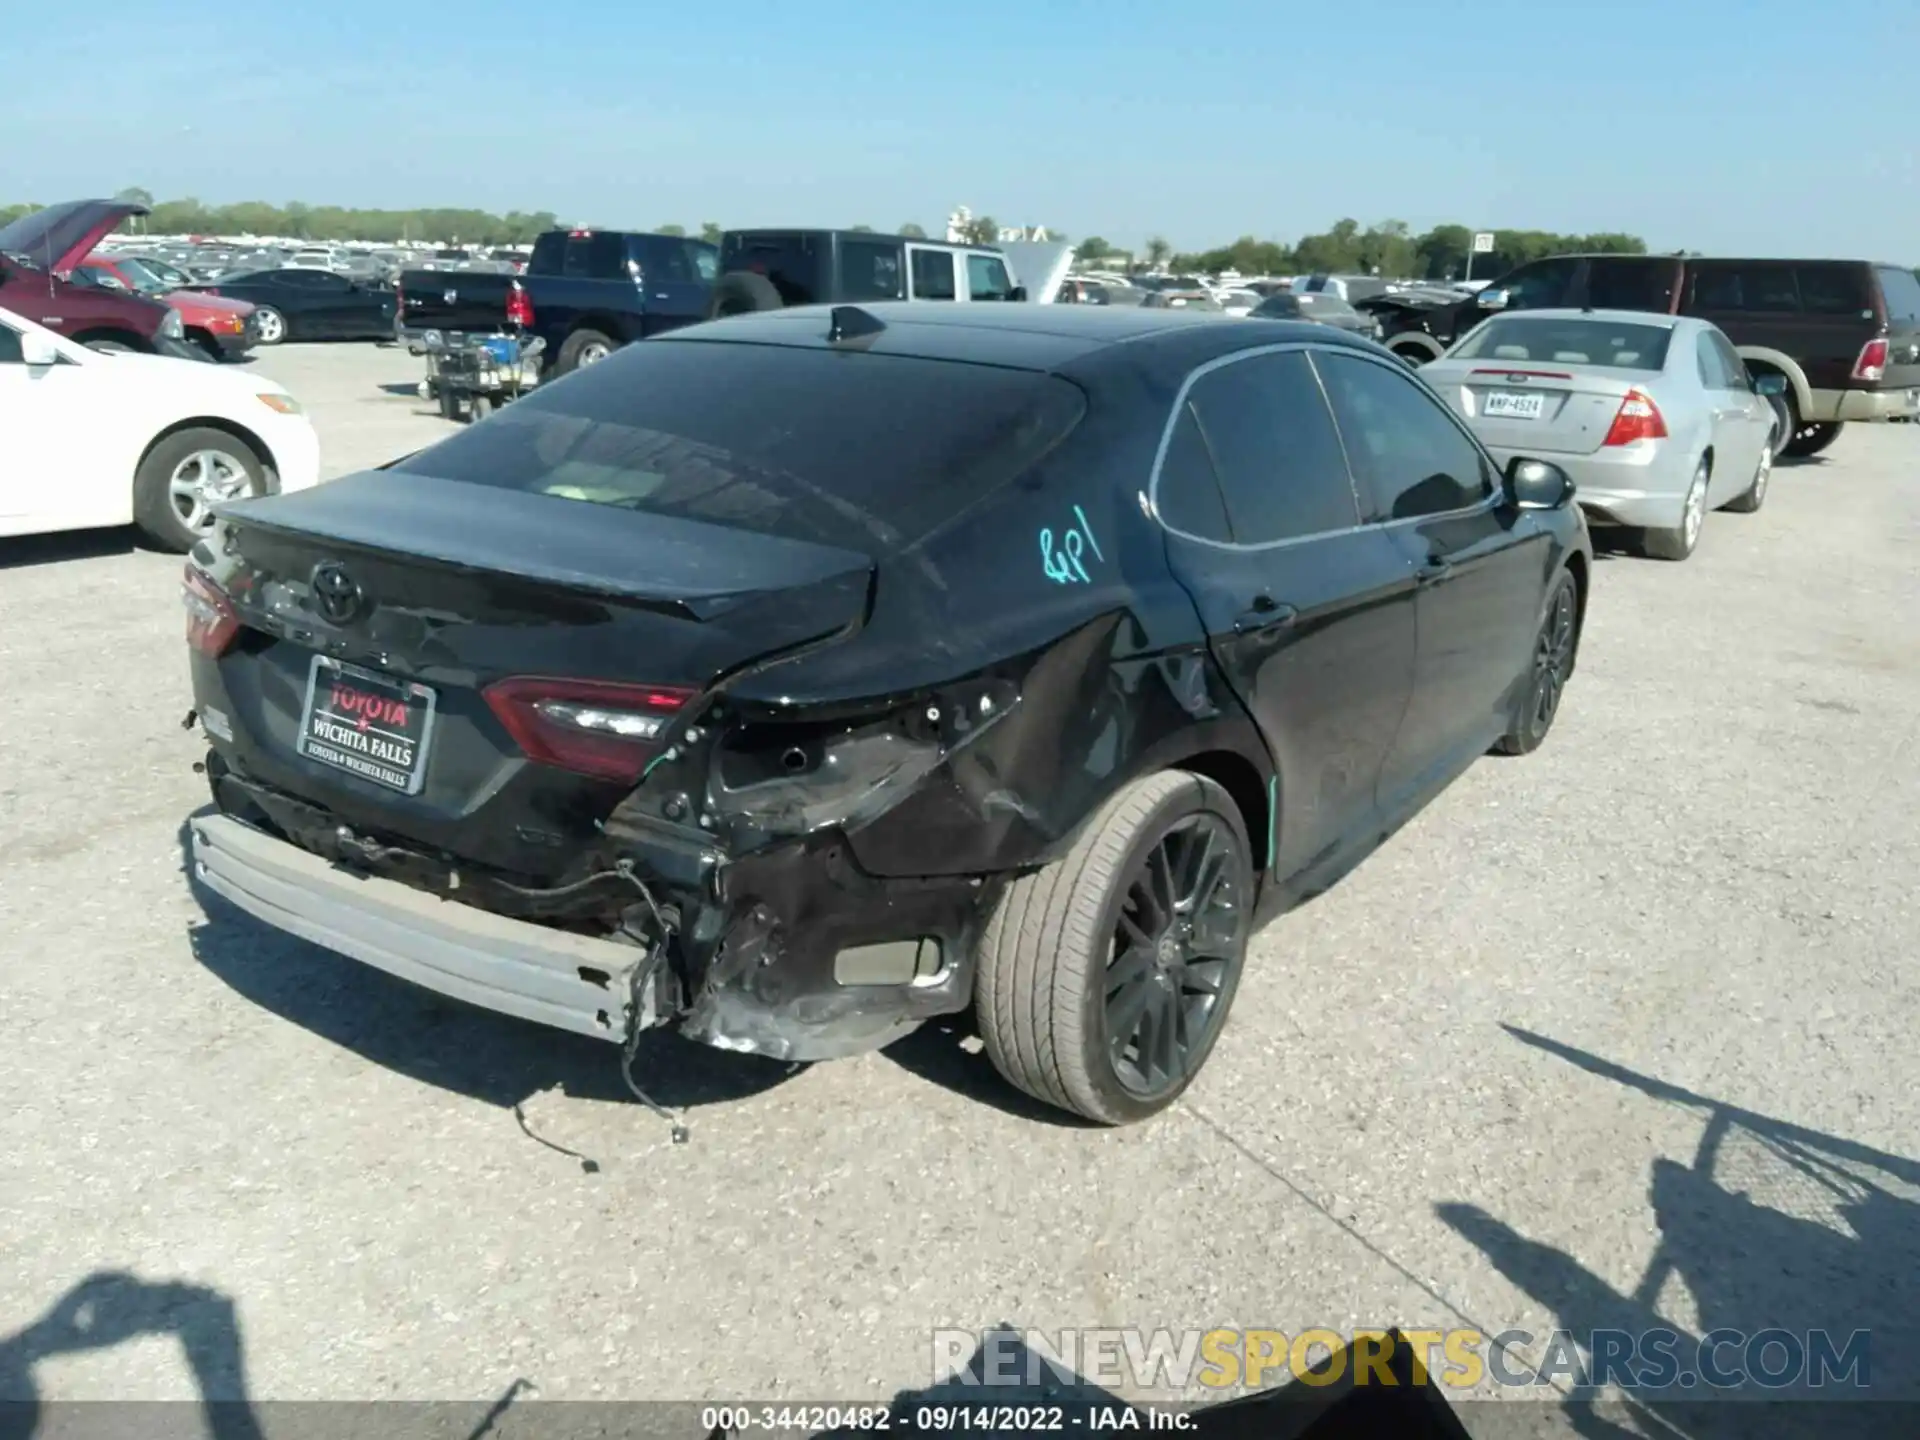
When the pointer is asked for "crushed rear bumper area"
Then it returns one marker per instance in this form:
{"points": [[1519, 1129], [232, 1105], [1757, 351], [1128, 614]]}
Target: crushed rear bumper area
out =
{"points": [[523, 969]]}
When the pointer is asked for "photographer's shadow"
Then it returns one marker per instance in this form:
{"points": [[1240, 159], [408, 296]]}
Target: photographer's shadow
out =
{"points": [[111, 1307]]}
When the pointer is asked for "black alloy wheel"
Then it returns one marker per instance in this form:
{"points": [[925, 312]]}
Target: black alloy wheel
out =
{"points": [[1105, 977], [1552, 663], [1176, 952]]}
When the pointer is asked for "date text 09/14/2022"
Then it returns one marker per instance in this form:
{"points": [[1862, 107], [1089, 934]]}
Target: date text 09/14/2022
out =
{"points": [[938, 1419]]}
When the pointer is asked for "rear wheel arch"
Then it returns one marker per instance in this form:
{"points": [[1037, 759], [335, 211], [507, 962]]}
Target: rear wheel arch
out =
{"points": [[1254, 794]]}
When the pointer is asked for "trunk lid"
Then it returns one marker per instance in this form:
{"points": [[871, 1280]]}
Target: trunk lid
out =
{"points": [[59, 237], [421, 593], [1541, 408]]}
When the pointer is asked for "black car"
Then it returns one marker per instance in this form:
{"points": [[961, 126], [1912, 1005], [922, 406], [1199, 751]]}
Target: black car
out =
{"points": [[294, 304], [799, 677]]}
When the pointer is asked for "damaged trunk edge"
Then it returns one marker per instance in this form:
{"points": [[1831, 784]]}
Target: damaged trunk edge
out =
{"points": [[809, 882]]}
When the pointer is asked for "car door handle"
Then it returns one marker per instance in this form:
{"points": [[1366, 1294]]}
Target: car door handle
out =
{"points": [[1265, 614], [1433, 570]]}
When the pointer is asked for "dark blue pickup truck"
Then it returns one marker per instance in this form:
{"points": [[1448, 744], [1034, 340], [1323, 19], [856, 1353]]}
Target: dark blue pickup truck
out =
{"points": [[585, 292]]}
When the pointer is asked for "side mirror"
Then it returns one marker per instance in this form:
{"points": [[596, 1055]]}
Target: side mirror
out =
{"points": [[1019, 292], [1491, 300], [1538, 484], [1770, 384], [37, 350]]}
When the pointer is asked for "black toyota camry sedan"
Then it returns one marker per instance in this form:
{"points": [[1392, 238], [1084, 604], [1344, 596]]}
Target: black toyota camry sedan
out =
{"points": [[798, 677]]}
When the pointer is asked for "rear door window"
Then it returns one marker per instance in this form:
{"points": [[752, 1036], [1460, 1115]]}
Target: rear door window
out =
{"points": [[1273, 444], [1834, 290], [987, 278], [872, 451], [870, 270], [933, 274], [1630, 283]]}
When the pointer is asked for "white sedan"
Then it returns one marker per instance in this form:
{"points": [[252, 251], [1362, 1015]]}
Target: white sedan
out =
{"points": [[88, 439]]}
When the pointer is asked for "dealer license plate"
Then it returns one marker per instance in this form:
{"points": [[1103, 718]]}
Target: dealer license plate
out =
{"points": [[1508, 406], [371, 725]]}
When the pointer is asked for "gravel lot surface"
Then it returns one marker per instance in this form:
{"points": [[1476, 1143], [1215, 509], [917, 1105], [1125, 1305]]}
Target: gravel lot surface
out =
{"points": [[1621, 1030]]}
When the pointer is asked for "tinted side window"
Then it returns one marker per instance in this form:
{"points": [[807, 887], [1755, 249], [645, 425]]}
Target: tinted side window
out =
{"points": [[1187, 494], [704, 258], [1543, 283], [1833, 290], [987, 278], [1412, 457], [932, 274], [870, 270], [1731, 363], [1750, 286], [664, 257], [1630, 284], [10, 353], [1275, 449], [1901, 288]]}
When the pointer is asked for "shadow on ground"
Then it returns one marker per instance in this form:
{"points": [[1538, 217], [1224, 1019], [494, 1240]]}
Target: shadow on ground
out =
{"points": [[109, 1308], [472, 1052], [24, 551], [1771, 1228]]}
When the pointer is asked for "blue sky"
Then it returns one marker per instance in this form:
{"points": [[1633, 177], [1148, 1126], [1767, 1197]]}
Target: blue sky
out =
{"points": [[1759, 126]]}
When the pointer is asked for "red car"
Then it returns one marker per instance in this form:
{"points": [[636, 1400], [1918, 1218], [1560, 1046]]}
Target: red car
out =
{"points": [[217, 324], [38, 249]]}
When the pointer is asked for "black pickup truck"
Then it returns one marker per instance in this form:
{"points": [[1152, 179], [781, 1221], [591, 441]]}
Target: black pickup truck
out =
{"points": [[1844, 333], [585, 293]]}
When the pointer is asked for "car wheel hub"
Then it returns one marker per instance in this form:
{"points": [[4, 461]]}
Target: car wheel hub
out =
{"points": [[1175, 944], [203, 480], [1552, 657]]}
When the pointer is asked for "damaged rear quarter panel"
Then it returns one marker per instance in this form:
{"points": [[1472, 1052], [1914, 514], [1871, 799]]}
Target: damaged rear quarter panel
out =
{"points": [[1111, 676]]}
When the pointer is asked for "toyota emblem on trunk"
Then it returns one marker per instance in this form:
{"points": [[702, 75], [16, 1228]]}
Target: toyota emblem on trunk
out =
{"points": [[336, 593]]}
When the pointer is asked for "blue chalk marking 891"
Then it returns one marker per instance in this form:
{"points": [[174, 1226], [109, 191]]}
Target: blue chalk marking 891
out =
{"points": [[1065, 566]]}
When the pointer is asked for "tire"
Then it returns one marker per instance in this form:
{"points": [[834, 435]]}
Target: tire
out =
{"points": [[1551, 663], [1045, 961], [269, 325], [1784, 423], [482, 408], [742, 292], [1413, 355], [206, 345], [1681, 541], [1755, 495], [1812, 437], [216, 464], [449, 404], [582, 347]]}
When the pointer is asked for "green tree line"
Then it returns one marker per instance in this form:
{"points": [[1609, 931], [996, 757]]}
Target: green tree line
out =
{"points": [[1391, 246]]}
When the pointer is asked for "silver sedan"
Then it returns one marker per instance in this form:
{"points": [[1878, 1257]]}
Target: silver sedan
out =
{"points": [[1654, 416]]}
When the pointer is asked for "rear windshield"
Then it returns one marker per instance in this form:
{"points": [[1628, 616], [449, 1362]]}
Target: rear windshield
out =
{"points": [[835, 448], [1606, 343]]}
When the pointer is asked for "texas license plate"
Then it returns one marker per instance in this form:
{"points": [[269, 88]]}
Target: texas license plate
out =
{"points": [[1506, 405], [368, 724]]}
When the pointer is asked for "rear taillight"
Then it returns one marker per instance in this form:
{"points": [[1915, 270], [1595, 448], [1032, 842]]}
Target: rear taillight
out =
{"points": [[212, 624], [591, 727], [519, 307], [1872, 364], [1637, 419]]}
